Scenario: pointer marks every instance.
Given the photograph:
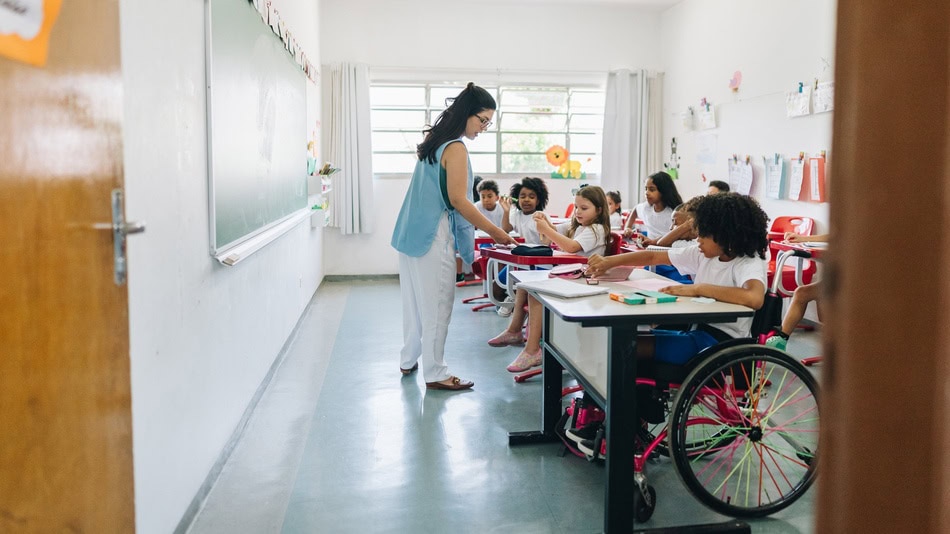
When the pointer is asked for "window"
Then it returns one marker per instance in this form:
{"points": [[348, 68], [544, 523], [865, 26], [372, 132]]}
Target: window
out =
{"points": [[528, 121]]}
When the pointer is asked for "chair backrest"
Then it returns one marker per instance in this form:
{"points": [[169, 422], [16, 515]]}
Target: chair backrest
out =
{"points": [[569, 210], [616, 241], [792, 223]]}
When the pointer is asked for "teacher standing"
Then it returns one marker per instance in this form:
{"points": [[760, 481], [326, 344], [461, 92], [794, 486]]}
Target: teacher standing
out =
{"points": [[435, 220]]}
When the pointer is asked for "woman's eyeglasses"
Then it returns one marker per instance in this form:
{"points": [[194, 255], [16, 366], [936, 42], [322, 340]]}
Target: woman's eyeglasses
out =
{"points": [[485, 122]]}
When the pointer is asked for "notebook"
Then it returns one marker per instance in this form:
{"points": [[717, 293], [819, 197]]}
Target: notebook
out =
{"points": [[560, 287], [615, 274]]}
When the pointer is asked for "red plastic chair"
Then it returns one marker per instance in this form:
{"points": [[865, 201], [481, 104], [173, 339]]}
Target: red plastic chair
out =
{"points": [[480, 268], [569, 211], [799, 225]]}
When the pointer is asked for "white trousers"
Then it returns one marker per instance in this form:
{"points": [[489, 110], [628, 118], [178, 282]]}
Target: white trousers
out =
{"points": [[427, 284]]}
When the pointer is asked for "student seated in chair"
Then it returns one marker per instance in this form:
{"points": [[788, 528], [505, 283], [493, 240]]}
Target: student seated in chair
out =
{"points": [[728, 264], [778, 337]]}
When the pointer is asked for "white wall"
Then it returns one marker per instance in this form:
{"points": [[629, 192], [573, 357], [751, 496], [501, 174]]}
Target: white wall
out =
{"points": [[203, 336], [776, 44], [542, 40]]}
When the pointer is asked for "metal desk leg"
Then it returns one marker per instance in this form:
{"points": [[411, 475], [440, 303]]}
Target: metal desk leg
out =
{"points": [[621, 427], [551, 382]]}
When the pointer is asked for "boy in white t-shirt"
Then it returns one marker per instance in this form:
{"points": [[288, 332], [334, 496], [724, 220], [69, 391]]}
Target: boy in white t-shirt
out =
{"points": [[728, 264], [488, 203]]}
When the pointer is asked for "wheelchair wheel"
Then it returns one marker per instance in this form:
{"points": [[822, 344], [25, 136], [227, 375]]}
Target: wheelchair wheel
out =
{"points": [[744, 431]]}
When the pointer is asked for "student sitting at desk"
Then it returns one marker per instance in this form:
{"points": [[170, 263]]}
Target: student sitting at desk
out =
{"points": [[778, 337], [657, 212], [613, 207], [528, 196], [682, 233], [728, 264], [488, 202], [587, 233]]}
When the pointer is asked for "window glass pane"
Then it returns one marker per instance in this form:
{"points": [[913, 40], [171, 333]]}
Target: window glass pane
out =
{"points": [[439, 94], [585, 99], [403, 120], [394, 163], [485, 142], [483, 163], [587, 122], [530, 164], [533, 122], [396, 141], [534, 142], [540, 100], [590, 163], [385, 97], [586, 143]]}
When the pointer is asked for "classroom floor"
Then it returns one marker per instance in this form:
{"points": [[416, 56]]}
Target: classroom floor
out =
{"points": [[340, 442]]}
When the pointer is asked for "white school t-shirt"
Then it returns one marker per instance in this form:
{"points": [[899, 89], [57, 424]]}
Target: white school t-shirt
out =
{"points": [[656, 224], [616, 219], [524, 225], [494, 215], [735, 273], [590, 238]]}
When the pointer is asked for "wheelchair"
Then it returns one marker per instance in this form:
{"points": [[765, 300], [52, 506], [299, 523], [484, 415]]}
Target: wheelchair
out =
{"points": [[739, 421]]}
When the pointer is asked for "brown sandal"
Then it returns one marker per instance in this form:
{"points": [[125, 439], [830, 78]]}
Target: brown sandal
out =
{"points": [[457, 384], [407, 372]]}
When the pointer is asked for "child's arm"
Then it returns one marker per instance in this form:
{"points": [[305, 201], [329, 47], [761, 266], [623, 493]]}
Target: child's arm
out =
{"points": [[631, 219], [505, 203], [751, 294], [598, 265], [548, 231], [681, 231], [792, 237], [455, 160]]}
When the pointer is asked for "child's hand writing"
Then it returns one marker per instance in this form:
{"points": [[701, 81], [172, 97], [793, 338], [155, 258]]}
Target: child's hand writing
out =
{"points": [[793, 237]]}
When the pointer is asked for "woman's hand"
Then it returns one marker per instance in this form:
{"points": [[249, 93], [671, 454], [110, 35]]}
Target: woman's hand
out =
{"points": [[501, 237], [597, 265], [681, 290]]}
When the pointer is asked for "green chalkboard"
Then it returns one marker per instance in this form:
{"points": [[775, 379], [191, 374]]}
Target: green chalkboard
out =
{"points": [[257, 126]]}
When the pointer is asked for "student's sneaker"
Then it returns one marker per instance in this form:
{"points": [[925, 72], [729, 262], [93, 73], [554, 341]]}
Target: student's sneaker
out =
{"points": [[776, 339], [587, 432], [507, 338], [505, 311], [525, 361]]}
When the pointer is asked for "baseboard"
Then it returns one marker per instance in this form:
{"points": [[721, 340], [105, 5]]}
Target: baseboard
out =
{"points": [[359, 277]]}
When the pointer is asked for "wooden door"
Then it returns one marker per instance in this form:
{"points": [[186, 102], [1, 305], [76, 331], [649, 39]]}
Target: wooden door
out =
{"points": [[65, 421]]}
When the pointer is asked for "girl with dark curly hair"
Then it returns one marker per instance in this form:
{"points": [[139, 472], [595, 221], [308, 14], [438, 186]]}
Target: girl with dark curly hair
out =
{"points": [[527, 196], [728, 264]]}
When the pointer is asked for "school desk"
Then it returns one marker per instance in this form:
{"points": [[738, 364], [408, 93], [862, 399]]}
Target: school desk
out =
{"points": [[503, 257], [594, 339]]}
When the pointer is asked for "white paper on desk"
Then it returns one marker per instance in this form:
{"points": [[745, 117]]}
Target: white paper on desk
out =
{"points": [[650, 284], [560, 287], [815, 244]]}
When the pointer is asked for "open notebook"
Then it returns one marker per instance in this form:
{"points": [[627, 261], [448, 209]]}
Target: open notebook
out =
{"points": [[560, 287]]}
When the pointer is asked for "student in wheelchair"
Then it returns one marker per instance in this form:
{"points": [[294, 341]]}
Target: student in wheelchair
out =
{"points": [[728, 264]]}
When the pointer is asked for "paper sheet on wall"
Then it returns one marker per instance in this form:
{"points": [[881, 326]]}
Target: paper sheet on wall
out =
{"points": [[706, 148], [825, 97], [796, 176], [796, 103], [774, 176], [734, 174], [816, 177], [25, 27], [707, 119], [745, 176]]}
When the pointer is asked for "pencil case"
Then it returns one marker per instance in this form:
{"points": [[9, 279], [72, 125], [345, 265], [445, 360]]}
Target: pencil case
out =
{"points": [[641, 296]]}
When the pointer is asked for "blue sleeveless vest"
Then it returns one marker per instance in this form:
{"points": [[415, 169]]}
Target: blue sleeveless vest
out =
{"points": [[424, 205]]}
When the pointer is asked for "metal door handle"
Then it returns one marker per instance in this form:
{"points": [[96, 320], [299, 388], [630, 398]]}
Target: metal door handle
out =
{"points": [[120, 228]]}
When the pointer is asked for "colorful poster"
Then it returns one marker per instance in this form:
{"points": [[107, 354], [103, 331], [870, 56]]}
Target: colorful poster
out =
{"points": [[25, 27]]}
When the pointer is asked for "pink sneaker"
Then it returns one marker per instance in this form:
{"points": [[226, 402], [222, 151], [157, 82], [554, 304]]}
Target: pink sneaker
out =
{"points": [[525, 361], [507, 338]]}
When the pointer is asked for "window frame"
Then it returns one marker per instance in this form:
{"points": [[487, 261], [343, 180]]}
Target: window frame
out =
{"points": [[431, 110]]}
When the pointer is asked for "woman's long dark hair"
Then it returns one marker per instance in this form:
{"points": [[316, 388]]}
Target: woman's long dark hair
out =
{"points": [[668, 193], [451, 123]]}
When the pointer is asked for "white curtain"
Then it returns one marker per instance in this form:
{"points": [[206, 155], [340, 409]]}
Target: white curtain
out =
{"points": [[350, 149], [632, 132]]}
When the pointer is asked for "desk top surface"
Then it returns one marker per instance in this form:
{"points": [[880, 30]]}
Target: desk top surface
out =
{"points": [[506, 256], [600, 310], [815, 252]]}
